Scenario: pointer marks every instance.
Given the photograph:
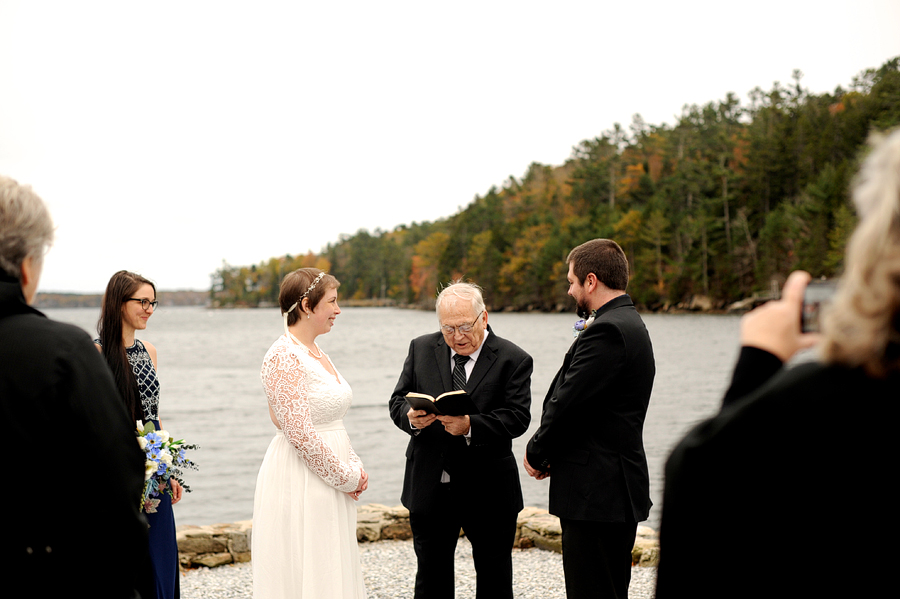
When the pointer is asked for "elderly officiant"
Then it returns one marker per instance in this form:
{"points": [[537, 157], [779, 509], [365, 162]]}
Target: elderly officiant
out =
{"points": [[460, 470]]}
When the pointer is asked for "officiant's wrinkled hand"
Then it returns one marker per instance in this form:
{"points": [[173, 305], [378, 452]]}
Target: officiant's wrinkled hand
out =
{"points": [[455, 425], [420, 418]]}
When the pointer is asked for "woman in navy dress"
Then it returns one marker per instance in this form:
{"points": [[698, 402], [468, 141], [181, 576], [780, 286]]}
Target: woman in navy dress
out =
{"points": [[129, 302]]}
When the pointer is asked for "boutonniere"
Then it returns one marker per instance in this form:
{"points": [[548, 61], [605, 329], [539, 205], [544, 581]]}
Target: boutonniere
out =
{"points": [[581, 325]]}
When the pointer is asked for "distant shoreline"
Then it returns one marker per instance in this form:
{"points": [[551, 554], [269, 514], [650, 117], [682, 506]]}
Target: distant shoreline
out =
{"points": [[697, 305], [93, 300]]}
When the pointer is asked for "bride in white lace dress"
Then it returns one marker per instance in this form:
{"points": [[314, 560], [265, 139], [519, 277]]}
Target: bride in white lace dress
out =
{"points": [[304, 516]]}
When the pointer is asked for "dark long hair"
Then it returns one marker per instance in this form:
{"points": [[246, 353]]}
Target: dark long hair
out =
{"points": [[121, 286]]}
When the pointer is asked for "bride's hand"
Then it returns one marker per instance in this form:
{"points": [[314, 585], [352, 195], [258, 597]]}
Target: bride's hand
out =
{"points": [[363, 485]]}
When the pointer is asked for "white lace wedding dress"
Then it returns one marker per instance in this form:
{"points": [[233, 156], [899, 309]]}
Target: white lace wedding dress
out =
{"points": [[304, 524]]}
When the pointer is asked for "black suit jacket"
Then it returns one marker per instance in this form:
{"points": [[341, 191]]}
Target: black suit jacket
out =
{"points": [[590, 438], [500, 386], [799, 455], [76, 489]]}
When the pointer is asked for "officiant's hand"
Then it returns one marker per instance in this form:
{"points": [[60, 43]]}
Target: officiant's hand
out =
{"points": [[177, 491], [420, 418], [456, 425]]}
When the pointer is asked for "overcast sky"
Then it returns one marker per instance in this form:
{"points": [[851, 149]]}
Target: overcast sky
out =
{"points": [[167, 137]]}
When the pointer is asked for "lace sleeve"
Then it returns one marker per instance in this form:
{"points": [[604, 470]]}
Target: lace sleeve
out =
{"points": [[284, 379], [354, 459]]}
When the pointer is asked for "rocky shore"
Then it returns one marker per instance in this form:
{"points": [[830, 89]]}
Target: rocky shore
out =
{"points": [[221, 544], [216, 559]]}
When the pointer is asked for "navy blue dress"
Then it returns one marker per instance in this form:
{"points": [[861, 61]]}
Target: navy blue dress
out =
{"points": [[163, 547]]}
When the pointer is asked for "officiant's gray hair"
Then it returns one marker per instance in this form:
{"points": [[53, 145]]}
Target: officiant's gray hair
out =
{"points": [[463, 290]]}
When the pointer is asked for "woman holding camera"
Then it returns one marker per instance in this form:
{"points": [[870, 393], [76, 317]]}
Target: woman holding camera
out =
{"points": [[794, 470]]}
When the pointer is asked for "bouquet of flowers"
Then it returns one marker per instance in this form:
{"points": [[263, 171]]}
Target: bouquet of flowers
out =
{"points": [[165, 459]]}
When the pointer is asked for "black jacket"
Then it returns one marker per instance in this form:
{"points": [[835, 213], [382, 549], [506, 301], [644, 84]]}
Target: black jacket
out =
{"points": [[500, 386], [787, 491], [73, 469], [590, 438]]}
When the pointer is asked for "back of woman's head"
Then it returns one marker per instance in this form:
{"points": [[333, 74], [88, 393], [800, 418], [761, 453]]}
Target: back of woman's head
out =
{"points": [[121, 286], [26, 228], [863, 326]]}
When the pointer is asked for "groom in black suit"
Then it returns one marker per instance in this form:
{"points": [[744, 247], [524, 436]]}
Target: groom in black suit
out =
{"points": [[460, 470], [590, 439]]}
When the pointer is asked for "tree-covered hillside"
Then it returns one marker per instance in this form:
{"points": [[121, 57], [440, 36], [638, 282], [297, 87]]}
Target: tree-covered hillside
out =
{"points": [[723, 203]]}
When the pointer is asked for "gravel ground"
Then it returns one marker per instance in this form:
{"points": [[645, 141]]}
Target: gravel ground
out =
{"points": [[390, 568]]}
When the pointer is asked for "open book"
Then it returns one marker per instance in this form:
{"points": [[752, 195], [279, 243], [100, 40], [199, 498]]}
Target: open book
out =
{"points": [[451, 403]]}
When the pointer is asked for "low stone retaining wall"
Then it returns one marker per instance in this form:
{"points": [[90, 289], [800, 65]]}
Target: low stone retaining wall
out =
{"points": [[219, 544]]}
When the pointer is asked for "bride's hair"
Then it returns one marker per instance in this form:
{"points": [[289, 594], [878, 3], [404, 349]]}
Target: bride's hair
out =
{"points": [[296, 285], [863, 326], [121, 286]]}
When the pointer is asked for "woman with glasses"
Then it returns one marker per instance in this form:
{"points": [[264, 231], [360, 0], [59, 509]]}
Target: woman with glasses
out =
{"points": [[129, 302]]}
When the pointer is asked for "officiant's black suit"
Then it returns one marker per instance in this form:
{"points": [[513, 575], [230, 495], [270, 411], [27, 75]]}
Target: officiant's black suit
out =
{"points": [[484, 494], [590, 440]]}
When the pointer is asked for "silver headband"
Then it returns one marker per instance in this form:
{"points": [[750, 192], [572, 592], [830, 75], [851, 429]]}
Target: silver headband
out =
{"points": [[313, 286]]}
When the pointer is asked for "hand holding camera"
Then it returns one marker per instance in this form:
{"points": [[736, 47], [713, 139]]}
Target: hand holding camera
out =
{"points": [[776, 326]]}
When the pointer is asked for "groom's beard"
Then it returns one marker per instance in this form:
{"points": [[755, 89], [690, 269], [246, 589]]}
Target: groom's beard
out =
{"points": [[582, 309]]}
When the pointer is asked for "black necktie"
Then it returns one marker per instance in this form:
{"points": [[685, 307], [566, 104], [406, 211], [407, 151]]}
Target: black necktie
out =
{"points": [[459, 372]]}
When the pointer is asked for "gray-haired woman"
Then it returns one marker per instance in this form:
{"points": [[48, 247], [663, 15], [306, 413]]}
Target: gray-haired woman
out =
{"points": [[785, 492], [75, 471]]}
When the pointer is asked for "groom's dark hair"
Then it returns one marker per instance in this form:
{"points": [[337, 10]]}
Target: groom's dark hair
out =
{"points": [[605, 259]]}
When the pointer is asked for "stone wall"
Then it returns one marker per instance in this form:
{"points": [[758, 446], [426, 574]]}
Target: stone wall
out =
{"points": [[218, 544]]}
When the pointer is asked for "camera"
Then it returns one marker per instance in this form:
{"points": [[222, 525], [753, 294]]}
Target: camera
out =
{"points": [[816, 298]]}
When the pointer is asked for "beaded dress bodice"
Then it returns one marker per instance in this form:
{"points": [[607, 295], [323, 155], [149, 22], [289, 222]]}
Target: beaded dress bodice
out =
{"points": [[145, 375]]}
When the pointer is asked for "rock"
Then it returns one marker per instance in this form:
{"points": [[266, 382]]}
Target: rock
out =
{"points": [[375, 522], [367, 532], [215, 544], [542, 530], [397, 530], [211, 560], [701, 302], [200, 540]]}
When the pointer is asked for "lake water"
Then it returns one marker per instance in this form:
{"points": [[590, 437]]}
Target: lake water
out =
{"points": [[209, 363]]}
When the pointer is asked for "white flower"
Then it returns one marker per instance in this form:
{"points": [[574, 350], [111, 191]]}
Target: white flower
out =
{"points": [[150, 468], [142, 442], [163, 435], [166, 458]]}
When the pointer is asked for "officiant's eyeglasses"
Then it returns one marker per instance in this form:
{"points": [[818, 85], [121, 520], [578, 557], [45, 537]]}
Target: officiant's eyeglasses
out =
{"points": [[463, 328], [145, 303]]}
